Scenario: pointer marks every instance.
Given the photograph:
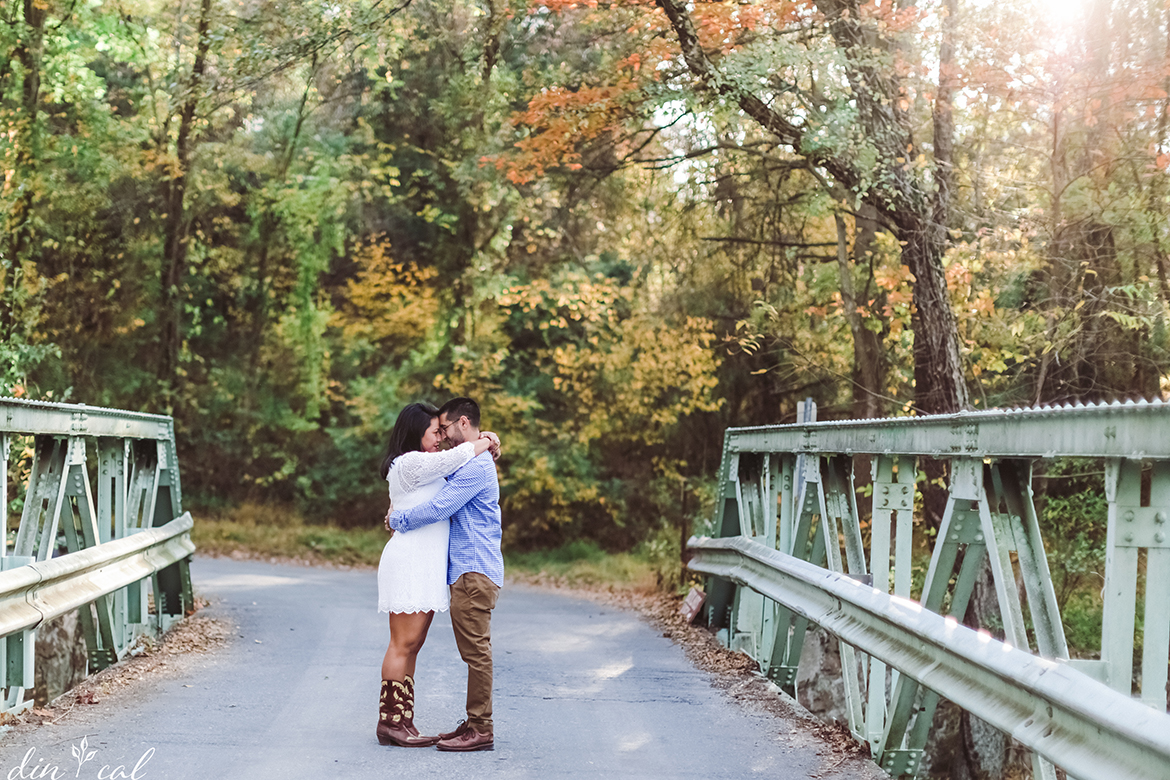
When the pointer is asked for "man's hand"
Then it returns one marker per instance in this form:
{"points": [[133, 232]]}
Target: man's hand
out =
{"points": [[387, 519]]}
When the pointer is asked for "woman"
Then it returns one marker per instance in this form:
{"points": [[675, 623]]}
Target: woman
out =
{"points": [[412, 576]]}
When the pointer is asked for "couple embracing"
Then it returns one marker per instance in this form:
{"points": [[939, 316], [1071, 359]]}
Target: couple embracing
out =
{"points": [[444, 554]]}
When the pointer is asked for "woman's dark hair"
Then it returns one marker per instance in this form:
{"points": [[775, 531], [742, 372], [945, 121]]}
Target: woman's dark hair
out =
{"points": [[408, 431]]}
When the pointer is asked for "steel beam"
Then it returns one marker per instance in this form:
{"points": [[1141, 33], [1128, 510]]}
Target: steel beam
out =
{"points": [[1119, 430], [43, 418]]}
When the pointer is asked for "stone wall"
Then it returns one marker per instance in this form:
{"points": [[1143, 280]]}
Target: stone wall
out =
{"points": [[61, 658]]}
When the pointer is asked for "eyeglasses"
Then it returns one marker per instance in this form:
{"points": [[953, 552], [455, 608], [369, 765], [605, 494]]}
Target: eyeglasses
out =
{"points": [[443, 428]]}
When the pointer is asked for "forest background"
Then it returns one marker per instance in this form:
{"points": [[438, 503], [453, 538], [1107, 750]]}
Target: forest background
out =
{"points": [[623, 227]]}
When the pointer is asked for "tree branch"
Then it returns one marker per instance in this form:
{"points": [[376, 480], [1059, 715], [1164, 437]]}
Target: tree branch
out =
{"points": [[761, 242]]}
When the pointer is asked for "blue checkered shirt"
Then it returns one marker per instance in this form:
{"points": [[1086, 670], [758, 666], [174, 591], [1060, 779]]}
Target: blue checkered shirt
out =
{"points": [[471, 498]]}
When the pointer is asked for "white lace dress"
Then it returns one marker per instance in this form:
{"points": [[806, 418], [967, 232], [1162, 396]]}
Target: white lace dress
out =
{"points": [[412, 576]]}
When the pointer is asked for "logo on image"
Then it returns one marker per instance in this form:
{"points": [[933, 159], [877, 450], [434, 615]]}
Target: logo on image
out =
{"points": [[33, 768]]}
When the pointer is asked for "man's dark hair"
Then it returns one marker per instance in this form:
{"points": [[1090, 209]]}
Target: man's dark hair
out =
{"points": [[461, 407], [408, 431]]}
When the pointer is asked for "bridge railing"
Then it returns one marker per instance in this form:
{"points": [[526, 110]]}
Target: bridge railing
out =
{"points": [[102, 516], [788, 492]]}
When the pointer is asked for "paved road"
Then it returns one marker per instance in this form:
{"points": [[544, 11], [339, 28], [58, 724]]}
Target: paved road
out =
{"points": [[582, 691]]}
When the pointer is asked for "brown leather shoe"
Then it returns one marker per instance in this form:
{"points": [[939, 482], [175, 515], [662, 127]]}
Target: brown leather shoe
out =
{"points": [[468, 740], [461, 727]]}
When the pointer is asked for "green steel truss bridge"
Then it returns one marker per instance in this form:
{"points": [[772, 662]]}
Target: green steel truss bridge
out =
{"points": [[789, 550], [108, 482]]}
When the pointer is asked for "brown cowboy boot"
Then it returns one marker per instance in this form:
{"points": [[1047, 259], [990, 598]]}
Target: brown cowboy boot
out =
{"points": [[408, 715], [392, 709]]}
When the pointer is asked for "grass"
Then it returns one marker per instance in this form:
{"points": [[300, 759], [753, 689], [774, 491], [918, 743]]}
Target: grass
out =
{"points": [[267, 531], [276, 532], [583, 564]]}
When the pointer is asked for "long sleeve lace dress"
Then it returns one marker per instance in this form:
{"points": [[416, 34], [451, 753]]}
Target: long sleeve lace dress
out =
{"points": [[412, 575]]}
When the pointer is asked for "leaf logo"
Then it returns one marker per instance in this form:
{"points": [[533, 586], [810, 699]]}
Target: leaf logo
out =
{"points": [[82, 753]]}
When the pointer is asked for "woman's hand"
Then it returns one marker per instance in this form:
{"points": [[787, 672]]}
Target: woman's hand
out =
{"points": [[493, 443], [487, 441]]}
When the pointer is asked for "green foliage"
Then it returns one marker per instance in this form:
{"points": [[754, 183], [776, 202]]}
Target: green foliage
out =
{"points": [[1073, 514], [391, 203], [1081, 617]]}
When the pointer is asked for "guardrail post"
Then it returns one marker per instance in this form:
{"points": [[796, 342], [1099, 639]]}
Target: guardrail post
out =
{"points": [[113, 460], [1123, 489], [5, 445], [720, 592], [791, 628], [13, 677], [754, 497], [173, 595], [893, 495], [79, 522], [17, 654], [1156, 634], [776, 663], [1135, 525], [901, 746]]}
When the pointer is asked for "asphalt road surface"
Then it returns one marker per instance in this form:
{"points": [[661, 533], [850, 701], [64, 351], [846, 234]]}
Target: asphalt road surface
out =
{"points": [[581, 691]]}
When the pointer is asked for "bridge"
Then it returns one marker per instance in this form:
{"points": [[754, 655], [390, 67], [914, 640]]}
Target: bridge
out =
{"points": [[586, 690]]}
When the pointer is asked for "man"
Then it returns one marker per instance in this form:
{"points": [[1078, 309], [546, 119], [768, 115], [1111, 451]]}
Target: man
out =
{"points": [[475, 567]]}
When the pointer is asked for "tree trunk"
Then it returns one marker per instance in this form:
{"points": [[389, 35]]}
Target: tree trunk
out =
{"points": [[938, 367], [174, 265], [939, 387], [869, 359]]}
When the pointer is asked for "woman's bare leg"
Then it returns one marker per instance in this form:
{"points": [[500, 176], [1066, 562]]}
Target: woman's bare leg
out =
{"points": [[412, 658], [408, 631]]}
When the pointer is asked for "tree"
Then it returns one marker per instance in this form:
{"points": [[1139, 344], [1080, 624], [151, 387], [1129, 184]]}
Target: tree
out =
{"points": [[23, 39], [832, 84], [901, 195]]}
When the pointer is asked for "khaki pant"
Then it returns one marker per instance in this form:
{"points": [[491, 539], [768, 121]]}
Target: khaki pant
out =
{"points": [[473, 596]]}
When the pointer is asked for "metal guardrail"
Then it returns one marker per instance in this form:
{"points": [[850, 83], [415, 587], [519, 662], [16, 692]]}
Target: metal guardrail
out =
{"points": [[129, 530], [38, 592], [790, 489], [1044, 704]]}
